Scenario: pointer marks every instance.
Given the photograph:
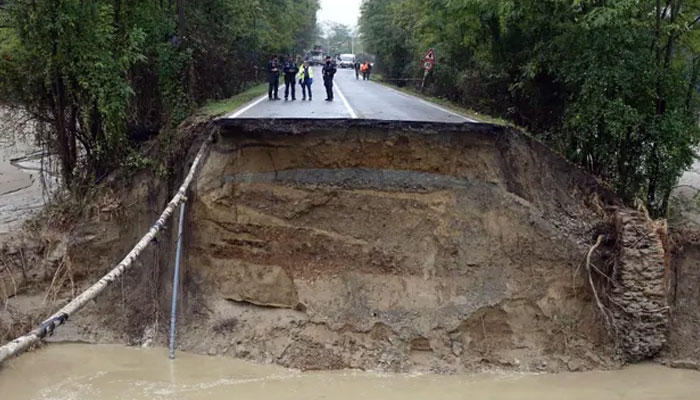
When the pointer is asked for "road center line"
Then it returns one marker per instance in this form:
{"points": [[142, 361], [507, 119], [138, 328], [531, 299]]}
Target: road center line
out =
{"points": [[347, 105], [246, 108]]}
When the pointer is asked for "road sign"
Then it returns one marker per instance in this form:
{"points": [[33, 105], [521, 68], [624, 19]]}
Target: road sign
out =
{"points": [[428, 65], [429, 60]]}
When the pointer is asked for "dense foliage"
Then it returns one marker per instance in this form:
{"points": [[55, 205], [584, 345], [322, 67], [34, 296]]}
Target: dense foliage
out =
{"points": [[100, 75], [337, 39], [612, 84]]}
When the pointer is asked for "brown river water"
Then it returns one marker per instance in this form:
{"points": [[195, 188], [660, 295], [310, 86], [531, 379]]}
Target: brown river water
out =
{"points": [[91, 372], [22, 189]]}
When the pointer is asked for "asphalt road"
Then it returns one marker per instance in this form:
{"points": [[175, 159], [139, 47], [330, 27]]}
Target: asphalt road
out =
{"points": [[353, 99]]}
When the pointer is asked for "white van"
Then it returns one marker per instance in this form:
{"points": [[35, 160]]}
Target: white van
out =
{"points": [[346, 61]]}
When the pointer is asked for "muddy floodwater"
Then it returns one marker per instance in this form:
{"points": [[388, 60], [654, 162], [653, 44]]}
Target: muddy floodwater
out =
{"points": [[22, 192], [74, 371]]}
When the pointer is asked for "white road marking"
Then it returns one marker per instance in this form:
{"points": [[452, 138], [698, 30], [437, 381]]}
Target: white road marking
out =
{"points": [[347, 105], [427, 103], [246, 108]]}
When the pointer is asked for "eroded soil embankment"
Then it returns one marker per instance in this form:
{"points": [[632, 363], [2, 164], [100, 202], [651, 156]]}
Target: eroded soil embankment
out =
{"points": [[404, 246]]}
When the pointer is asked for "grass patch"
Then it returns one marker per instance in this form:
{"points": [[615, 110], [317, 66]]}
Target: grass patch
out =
{"points": [[220, 107], [447, 104]]}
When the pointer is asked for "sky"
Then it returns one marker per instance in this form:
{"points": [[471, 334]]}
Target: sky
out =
{"points": [[342, 11]]}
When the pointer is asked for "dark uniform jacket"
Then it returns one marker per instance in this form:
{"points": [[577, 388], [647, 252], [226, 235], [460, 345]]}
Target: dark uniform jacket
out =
{"points": [[328, 71], [290, 70], [273, 68]]}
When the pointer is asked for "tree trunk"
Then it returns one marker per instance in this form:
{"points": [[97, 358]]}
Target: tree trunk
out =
{"points": [[96, 135], [181, 19], [691, 85], [61, 142], [62, 139], [658, 31], [653, 181], [675, 10], [72, 141], [664, 203]]}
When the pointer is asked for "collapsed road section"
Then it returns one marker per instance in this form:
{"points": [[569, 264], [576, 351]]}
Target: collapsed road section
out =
{"points": [[412, 246], [324, 244]]}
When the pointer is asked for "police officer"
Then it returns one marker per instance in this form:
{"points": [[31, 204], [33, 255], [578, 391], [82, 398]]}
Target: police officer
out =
{"points": [[328, 71], [290, 70], [273, 78]]}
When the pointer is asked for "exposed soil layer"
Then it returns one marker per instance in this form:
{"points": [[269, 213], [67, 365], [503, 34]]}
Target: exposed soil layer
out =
{"points": [[357, 244], [683, 347], [396, 246]]}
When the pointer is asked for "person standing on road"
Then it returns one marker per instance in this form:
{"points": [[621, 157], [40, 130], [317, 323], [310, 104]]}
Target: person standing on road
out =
{"points": [[328, 71], [306, 78], [273, 78], [366, 70], [357, 67], [290, 70]]}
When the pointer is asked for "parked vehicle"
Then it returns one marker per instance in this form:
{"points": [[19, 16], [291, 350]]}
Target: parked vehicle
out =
{"points": [[346, 61], [317, 56]]}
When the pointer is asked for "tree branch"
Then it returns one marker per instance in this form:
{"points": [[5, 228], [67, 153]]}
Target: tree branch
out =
{"points": [[690, 25]]}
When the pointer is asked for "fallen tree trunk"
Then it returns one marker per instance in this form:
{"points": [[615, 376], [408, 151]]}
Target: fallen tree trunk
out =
{"points": [[22, 343]]}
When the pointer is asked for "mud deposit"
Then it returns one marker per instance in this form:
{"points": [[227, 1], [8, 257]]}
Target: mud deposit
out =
{"points": [[117, 373]]}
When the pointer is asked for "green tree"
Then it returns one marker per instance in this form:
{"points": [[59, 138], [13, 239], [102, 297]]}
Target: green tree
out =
{"points": [[99, 76], [68, 66], [611, 84], [338, 39], [383, 37]]}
